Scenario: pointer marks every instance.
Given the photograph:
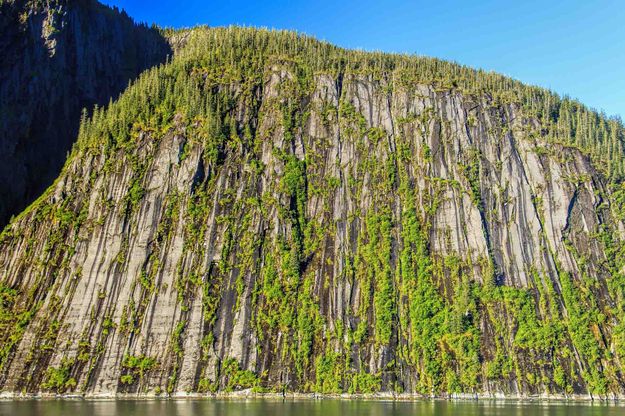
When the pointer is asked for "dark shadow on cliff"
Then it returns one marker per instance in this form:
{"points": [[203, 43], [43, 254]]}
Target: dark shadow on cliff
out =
{"points": [[58, 58]]}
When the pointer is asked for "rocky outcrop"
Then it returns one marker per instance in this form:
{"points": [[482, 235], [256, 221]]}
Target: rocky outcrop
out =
{"points": [[59, 57], [313, 231]]}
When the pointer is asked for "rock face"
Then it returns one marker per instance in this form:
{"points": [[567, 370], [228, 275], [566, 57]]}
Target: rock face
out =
{"points": [[59, 57], [244, 219]]}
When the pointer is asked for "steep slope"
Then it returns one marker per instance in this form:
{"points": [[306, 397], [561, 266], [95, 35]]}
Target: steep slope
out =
{"points": [[271, 212], [59, 57]]}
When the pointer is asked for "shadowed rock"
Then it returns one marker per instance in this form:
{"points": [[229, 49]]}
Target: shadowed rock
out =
{"points": [[59, 57]]}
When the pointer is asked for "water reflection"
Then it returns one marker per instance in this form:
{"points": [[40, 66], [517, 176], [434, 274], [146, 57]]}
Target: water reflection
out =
{"points": [[258, 407]]}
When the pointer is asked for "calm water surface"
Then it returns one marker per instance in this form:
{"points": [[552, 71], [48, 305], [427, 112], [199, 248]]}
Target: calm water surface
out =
{"points": [[258, 407]]}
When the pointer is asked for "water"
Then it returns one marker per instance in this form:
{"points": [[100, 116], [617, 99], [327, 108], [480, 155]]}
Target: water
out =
{"points": [[259, 407]]}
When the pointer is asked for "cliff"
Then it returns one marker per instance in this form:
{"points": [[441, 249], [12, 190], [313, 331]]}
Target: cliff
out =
{"points": [[268, 211], [59, 57]]}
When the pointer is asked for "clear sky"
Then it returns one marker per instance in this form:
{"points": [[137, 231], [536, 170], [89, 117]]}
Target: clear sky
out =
{"points": [[574, 47]]}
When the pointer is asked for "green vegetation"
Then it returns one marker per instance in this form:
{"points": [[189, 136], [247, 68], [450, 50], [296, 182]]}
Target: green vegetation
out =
{"points": [[343, 293], [59, 379], [365, 383], [238, 379], [13, 322], [177, 88], [329, 374], [377, 257], [581, 320], [135, 368]]}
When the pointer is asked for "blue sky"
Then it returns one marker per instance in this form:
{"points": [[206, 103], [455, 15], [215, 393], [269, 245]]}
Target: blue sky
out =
{"points": [[575, 47]]}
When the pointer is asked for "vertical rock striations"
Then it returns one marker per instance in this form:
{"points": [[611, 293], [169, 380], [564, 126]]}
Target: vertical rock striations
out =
{"points": [[59, 57], [267, 211]]}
